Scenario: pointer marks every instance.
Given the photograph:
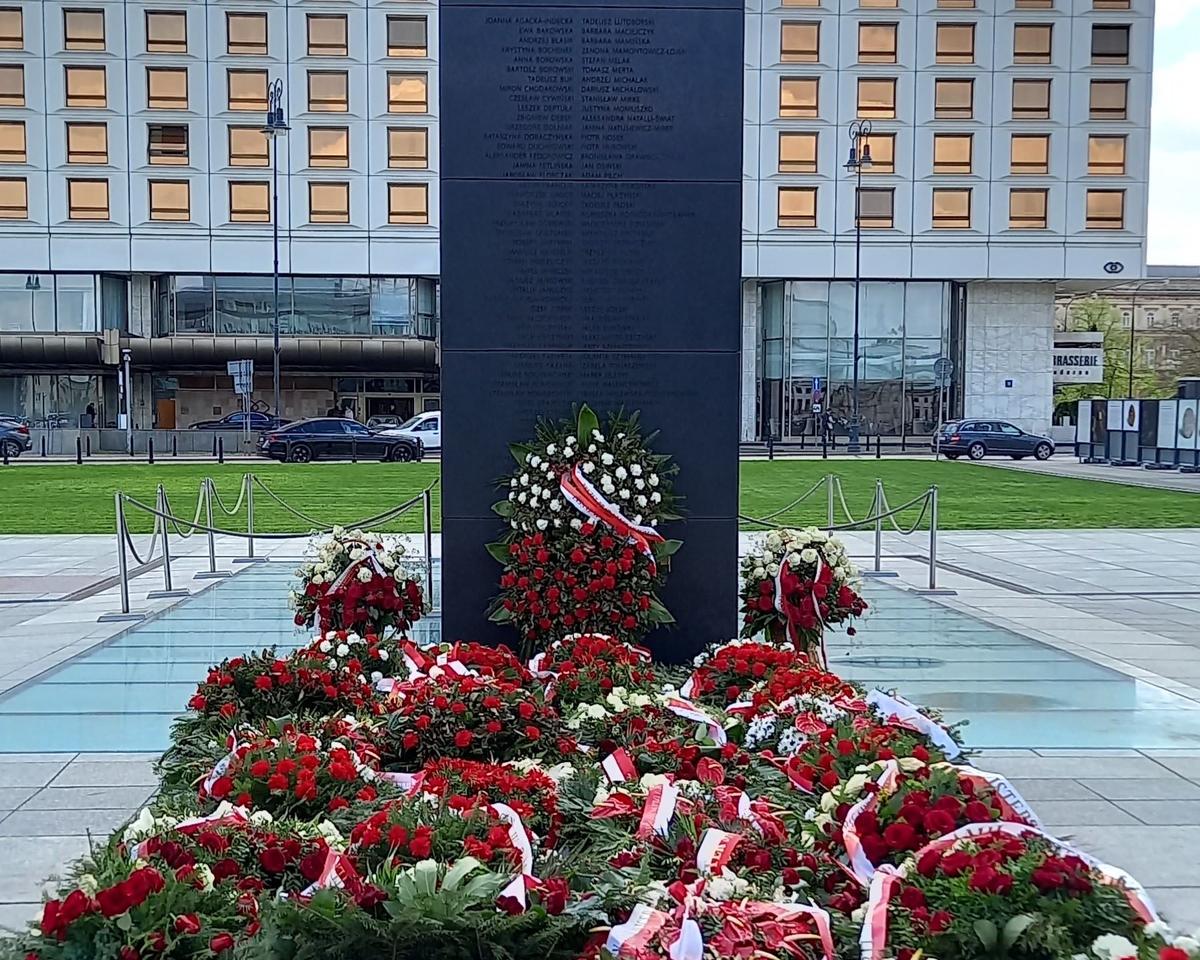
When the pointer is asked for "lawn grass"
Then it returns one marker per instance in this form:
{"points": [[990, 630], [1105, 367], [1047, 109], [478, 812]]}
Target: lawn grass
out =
{"points": [[79, 499]]}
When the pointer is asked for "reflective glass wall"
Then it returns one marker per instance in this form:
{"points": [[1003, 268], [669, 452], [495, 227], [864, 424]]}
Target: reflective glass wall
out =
{"points": [[57, 400], [227, 305], [808, 355], [48, 303]]}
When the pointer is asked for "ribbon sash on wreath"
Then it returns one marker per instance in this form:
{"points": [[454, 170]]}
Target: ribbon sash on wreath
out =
{"points": [[579, 492]]}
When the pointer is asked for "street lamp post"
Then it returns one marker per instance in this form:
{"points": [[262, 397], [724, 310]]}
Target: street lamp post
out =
{"points": [[859, 160], [275, 127]]}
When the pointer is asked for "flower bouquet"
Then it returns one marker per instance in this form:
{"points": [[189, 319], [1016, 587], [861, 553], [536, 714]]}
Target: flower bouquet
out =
{"points": [[356, 581], [795, 585], [583, 552]]}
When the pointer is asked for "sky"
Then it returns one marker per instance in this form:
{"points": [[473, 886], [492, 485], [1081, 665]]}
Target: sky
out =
{"points": [[1174, 224]]}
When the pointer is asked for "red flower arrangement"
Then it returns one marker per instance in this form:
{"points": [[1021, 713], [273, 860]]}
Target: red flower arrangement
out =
{"points": [[477, 718], [355, 581], [761, 672], [468, 784], [583, 553], [586, 667]]}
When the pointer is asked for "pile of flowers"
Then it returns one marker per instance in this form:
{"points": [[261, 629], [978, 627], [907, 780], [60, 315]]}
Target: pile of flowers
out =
{"points": [[795, 584], [354, 580], [583, 552]]}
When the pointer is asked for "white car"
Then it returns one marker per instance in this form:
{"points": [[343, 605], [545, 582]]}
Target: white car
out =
{"points": [[426, 427]]}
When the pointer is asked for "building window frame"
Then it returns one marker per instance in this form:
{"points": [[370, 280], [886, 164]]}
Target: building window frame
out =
{"points": [[401, 21], [956, 112], [328, 214], [12, 28], [1029, 168], [246, 48], [1111, 44], [399, 214], [242, 212], [807, 161], [805, 220], [868, 220], [1031, 221], [397, 159], [1099, 167], [1025, 112], [77, 210], [800, 41], [327, 47], [950, 221], [804, 111], [949, 47], [317, 158], [237, 158], [170, 214], [339, 103], [954, 166], [169, 43], [78, 154], [887, 109], [1100, 221], [85, 101], [14, 209], [884, 52], [168, 102], [18, 152], [168, 151], [397, 104], [1033, 43], [85, 19]]}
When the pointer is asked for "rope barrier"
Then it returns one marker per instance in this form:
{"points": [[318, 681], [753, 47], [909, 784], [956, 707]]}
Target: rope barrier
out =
{"points": [[766, 521], [365, 522], [241, 496]]}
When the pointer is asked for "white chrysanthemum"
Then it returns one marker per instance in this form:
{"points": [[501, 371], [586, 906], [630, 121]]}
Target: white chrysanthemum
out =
{"points": [[551, 449], [621, 473], [524, 479], [653, 480], [383, 655], [568, 452], [1112, 946], [591, 448], [641, 500], [542, 523], [324, 646], [589, 467], [808, 555], [576, 523], [521, 497], [546, 494], [342, 649], [623, 494], [535, 461], [555, 505], [656, 497], [635, 469], [606, 459]]}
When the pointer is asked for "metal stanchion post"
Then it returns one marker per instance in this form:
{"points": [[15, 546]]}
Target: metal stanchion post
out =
{"points": [[877, 510], [248, 479], [829, 498], [427, 511], [168, 589], [933, 525], [878, 446], [212, 573], [122, 569], [220, 449]]}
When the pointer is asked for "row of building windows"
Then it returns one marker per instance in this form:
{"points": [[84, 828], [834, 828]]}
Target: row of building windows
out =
{"points": [[952, 153], [167, 144], [1105, 209], [953, 98], [249, 201], [86, 86], [245, 33], [800, 42]]}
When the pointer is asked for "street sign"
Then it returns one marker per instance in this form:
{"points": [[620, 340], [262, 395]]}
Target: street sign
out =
{"points": [[943, 367], [242, 372]]}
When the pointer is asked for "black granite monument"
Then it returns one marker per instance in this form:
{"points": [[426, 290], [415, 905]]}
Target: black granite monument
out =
{"points": [[591, 194]]}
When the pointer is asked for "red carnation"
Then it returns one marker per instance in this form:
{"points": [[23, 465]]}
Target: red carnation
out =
{"points": [[272, 860], [463, 739], [221, 788], [937, 822], [220, 943], [187, 923]]}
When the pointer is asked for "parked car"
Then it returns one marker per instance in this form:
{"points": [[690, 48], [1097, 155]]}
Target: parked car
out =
{"points": [[426, 427], [384, 421], [335, 438], [14, 438], [980, 438], [237, 421]]}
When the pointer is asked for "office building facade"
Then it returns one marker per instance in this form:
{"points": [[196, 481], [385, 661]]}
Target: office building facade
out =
{"points": [[1009, 148]]}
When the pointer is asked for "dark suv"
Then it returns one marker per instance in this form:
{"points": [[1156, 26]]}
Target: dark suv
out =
{"points": [[14, 437], [979, 438]]}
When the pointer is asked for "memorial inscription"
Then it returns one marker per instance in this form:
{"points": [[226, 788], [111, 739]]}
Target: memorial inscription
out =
{"points": [[591, 210]]}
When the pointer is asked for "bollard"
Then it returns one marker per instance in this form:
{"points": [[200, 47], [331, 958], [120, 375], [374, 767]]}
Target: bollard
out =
{"points": [[829, 498], [933, 520], [4, 449], [87, 445], [215, 447], [78, 450], [43, 446], [802, 436], [770, 446], [824, 444], [427, 510], [878, 446], [354, 449], [175, 449], [150, 451], [220, 449]]}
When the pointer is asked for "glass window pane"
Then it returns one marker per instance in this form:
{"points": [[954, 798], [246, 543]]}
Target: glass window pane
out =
{"points": [[247, 33], [408, 203], [249, 201], [193, 297], [1031, 100], [329, 202], [14, 200], [875, 208], [86, 87], [877, 42], [797, 206], [808, 306], [881, 309], [12, 85], [879, 3], [877, 98], [1032, 42], [248, 147], [248, 90], [166, 31], [407, 93], [87, 199], [166, 89], [1110, 43], [797, 152], [882, 149], [1106, 156], [12, 29], [808, 357], [408, 147], [1108, 99], [246, 305], [87, 143], [955, 43], [953, 99], [798, 97], [326, 35], [1105, 209], [952, 209], [83, 29], [926, 310], [407, 37], [328, 147], [1031, 154], [328, 91], [331, 306], [12, 141], [799, 42], [1027, 209], [952, 153], [391, 307], [170, 200], [168, 144]]}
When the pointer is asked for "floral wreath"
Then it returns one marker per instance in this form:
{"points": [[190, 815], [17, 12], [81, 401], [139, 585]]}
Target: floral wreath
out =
{"points": [[583, 553]]}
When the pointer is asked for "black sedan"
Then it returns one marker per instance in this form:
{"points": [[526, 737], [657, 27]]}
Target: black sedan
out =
{"points": [[335, 438], [980, 438], [239, 421], [14, 438]]}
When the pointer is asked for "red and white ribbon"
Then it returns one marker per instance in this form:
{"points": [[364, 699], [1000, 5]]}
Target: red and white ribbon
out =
{"points": [[618, 767], [689, 945], [860, 864], [371, 559], [335, 872], [659, 809], [904, 713], [626, 939], [689, 711], [518, 836], [758, 910], [579, 492], [715, 850], [1012, 804], [409, 782], [872, 940], [232, 817], [218, 771]]}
